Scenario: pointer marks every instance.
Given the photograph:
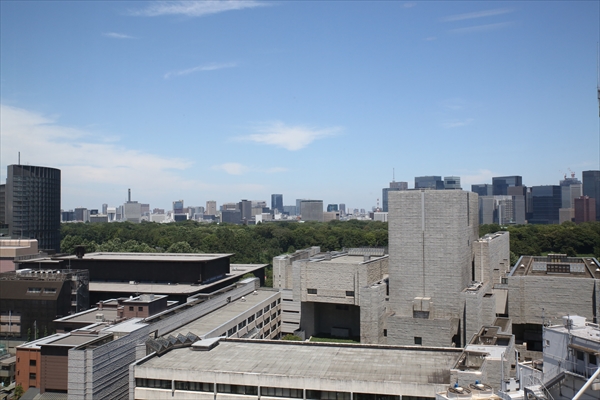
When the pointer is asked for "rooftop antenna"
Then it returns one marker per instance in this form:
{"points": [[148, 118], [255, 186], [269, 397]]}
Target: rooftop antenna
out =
{"points": [[394, 169], [19, 158]]}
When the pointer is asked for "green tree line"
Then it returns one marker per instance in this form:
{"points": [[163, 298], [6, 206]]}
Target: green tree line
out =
{"points": [[250, 244], [260, 243], [567, 238]]}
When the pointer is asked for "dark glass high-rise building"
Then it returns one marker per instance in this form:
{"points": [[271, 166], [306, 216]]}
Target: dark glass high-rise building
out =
{"points": [[546, 201], [332, 207], [501, 184], [483, 189], [591, 188], [33, 204], [429, 182], [277, 202]]}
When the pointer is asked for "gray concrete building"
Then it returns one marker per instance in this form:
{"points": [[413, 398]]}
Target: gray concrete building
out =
{"points": [[245, 369], [431, 234], [544, 289], [341, 294], [311, 210]]}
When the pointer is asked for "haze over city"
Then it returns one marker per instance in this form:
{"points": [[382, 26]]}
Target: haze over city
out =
{"points": [[224, 100]]}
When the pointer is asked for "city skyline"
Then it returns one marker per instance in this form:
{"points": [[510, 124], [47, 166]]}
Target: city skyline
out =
{"points": [[240, 100]]}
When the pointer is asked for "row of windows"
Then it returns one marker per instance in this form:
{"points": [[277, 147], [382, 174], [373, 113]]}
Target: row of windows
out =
{"points": [[349, 293], [259, 325], [39, 290], [264, 391]]}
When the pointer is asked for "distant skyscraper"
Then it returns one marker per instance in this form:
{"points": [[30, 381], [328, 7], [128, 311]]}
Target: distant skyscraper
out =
{"points": [[211, 207], [585, 209], [501, 183], [277, 202], [33, 204], [591, 188], [342, 209], [104, 208], [452, 183], [178, 207], [332, 207], [546, 202], [484, 189], [245, 206], [429, 182]]}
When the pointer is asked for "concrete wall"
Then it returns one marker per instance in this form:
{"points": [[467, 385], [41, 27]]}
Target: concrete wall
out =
{"points": [[556, 295], [372, 314], [431, 234], [492, 257], [433, 332]]}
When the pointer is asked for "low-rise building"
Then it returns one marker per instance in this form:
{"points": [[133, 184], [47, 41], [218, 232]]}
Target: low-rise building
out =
{"points": [[250, 369], [541, 290]]}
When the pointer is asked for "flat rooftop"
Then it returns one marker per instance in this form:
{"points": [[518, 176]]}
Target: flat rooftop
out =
{"points": [[412, 364], [89, 316], [73, 340], [236, 271], [587, 331], [217, 318], [347, 259], [557, 265], [176, 257]]}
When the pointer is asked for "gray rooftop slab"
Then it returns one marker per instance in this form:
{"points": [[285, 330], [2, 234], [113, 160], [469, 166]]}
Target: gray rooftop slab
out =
{"points": [[179, 257], [213, 320], [348, 259], [73, 340], [35, 344], [312, 360], [237, 270], [110, 314], [131, 325]]}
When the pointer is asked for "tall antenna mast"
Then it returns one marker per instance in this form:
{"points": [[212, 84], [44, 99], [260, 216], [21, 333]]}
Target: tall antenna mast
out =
{"points": [[394, 169]]}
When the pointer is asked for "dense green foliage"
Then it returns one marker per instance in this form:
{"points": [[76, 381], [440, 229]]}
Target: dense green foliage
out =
{"points": [[251, 244], [260, 243], [566, 238], [256, 244]]}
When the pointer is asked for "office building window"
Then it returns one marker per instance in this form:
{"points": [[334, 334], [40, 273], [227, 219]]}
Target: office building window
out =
{"points": [[281, 392], [195, 386], [311, 291]]}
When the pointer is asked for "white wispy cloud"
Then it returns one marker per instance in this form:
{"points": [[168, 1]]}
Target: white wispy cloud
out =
{"points": [[477, 14], [200, 68], [291, 138], [234, 168], [457, 123], [482, 28], [453, 104], [231, 168], [116, 35], [90, 167], [477, 177], [195, 8]]}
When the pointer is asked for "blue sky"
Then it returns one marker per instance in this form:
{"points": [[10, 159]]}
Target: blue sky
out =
{"points": [[230, 100]]}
